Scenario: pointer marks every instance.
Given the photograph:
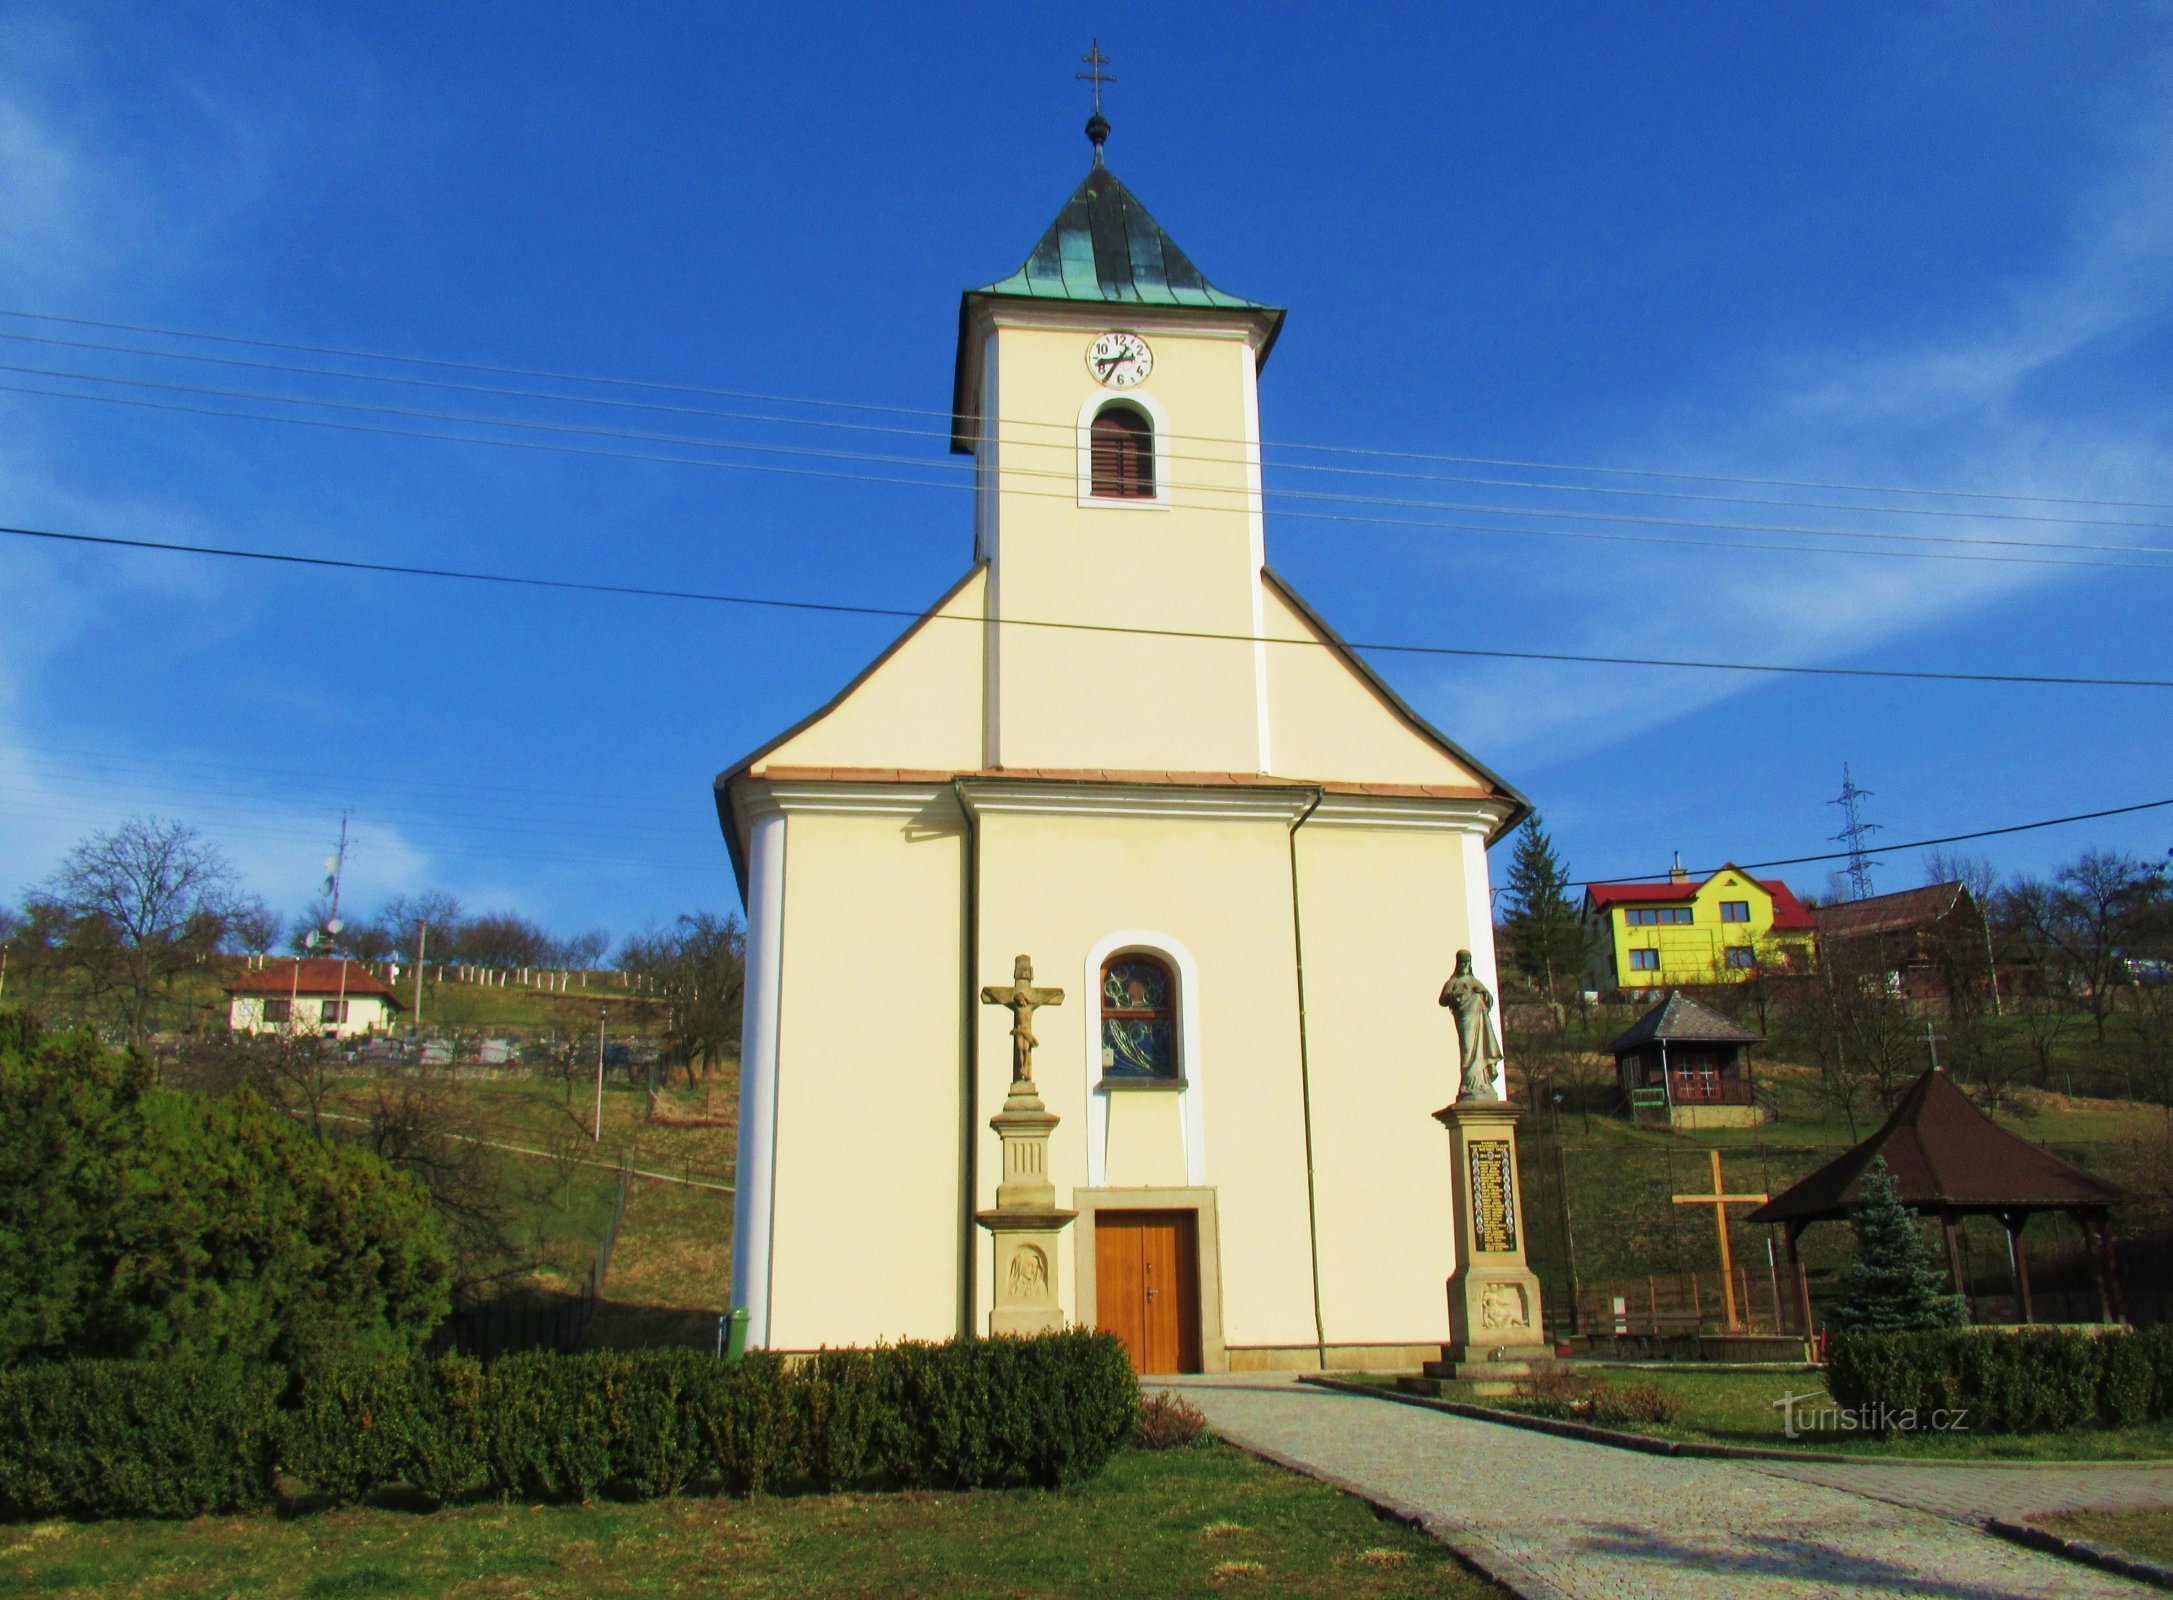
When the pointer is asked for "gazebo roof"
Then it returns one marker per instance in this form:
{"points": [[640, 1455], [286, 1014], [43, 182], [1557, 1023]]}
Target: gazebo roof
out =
{"points": [[1945, 1155], [1680, 1018]]}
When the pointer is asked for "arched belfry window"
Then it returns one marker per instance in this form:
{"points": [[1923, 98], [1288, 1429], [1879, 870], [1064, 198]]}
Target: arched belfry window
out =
{"points": [[1122, 446], [1139, 1019]]}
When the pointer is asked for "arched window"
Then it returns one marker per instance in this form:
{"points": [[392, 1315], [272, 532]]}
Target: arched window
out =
{"points": [[1139, 1018], [1122, 444]]}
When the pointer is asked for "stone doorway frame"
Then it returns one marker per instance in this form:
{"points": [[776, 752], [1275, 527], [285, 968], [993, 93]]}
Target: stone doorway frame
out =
{"points": [[1214, 1354]]}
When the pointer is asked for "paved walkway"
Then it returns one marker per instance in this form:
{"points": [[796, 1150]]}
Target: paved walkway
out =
{"points": [[1557, 1519]]}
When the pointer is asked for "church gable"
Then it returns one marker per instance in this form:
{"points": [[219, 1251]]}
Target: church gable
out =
{"points": [[1331, 719], [917, 707]]}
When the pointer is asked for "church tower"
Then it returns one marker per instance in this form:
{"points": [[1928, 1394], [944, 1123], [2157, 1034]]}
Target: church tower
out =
{"points": [[1122, 748], [1109, 394]]}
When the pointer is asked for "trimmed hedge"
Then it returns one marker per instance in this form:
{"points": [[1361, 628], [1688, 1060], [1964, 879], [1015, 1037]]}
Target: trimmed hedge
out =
{"points": [[2046, 1380], [138, 1438], [127, 1438]]}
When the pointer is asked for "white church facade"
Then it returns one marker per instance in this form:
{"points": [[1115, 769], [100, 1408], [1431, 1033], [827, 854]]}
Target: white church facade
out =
{"points": [[1122, 747]]}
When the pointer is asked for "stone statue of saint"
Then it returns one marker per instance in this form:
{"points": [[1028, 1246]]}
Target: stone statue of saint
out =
{"points": [[1478, 1045]]}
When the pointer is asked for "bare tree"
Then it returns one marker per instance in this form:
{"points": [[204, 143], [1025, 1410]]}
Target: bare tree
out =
{"points": [[1973, 873], [253, 927], [584, 950], [2080, 925], [417, 922], [1860, 1030], [144, 903], [699, 967]]}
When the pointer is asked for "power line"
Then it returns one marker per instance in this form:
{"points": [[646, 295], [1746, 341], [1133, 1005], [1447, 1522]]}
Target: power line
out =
{"points": [[1242, 492], [657, 387], [639, 591], [1913, 844], [1066, 428], [959, 483]]}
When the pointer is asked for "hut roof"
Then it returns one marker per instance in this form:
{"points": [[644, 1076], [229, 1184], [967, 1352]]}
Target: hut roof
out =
{"points": [[1680, 1018], [1945, 1155]]}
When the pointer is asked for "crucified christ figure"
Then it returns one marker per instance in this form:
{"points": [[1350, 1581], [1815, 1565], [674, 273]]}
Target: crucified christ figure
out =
{"points": [[1023, 1000]]}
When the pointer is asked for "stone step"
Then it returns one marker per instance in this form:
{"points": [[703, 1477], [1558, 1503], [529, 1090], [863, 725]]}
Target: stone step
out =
{"points": [[1459, 1388]]}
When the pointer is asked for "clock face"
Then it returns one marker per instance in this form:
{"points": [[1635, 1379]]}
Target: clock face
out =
{"points": [[1119, 360]]}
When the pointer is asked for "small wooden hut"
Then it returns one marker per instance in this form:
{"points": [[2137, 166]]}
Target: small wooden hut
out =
{"points": [[1949, 1160], [1690, 1063]]}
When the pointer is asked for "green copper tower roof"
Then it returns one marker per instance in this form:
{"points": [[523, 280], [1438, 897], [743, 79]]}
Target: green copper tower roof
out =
{"points": [[1104, 246], [1106, 249]]}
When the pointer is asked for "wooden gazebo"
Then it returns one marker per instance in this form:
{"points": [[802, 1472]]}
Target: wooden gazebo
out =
{"points": [[1949, 1160]]}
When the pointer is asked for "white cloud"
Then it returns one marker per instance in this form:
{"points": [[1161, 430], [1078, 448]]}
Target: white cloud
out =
{"points": [[1950, 410]]}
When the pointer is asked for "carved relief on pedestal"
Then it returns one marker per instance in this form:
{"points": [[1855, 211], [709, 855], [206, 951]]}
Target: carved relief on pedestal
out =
{"points": [[1502, 1305], [1029, 1277]]}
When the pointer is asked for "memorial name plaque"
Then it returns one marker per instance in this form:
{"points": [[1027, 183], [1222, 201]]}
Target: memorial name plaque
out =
{"points": [[1493, 1199]]}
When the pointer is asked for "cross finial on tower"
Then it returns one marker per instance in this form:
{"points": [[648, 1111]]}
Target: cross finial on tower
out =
{"points": [[1097, 128]]}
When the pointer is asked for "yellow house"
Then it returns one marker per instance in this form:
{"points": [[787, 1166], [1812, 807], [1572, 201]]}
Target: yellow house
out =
{"points": [[1123, 747], [1726, 929]]}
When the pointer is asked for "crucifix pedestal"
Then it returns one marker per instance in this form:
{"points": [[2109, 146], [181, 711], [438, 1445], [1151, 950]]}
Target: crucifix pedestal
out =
{"points": [[1495, 1330], [1025, 1221]]}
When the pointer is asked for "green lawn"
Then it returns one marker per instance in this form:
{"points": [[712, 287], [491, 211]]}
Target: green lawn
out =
{"points": [[1208, 1521], [1738, 1408], [2148, 1534]]}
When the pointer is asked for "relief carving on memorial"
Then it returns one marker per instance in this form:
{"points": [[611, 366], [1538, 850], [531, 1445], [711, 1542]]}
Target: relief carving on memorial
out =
{"points": [[1501, 1305], [1029, 1278]]}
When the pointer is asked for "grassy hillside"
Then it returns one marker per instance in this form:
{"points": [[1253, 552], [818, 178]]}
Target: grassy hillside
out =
{"points": [[670, 1267]]}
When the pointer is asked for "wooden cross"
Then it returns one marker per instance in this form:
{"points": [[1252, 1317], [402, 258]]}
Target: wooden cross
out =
{"points": [[1095, 61], [1720, 1200], [1022, 999]]}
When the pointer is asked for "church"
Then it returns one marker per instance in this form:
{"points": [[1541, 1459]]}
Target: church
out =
{"points": [[1122, 748]]}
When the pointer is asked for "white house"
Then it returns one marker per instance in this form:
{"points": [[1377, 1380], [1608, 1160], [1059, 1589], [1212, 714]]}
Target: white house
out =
{"points": [[326, 998]]}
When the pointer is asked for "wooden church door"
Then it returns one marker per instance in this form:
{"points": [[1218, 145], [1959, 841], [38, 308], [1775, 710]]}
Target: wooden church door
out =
{"points": [[1147, 1286]]}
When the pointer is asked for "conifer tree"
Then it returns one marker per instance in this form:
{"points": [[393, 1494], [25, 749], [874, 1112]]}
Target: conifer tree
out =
{"points": [[1891, 1286], [1546, 942]]}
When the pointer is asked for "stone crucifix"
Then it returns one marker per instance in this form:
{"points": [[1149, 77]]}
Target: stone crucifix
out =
{"points": [[1022, 999]]}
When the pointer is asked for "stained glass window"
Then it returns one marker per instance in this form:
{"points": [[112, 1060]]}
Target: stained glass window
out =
{"points": [[1139, 1018], [1123, 455]]}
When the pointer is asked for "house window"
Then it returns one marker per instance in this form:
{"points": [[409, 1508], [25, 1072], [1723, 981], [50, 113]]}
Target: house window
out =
{"points": [[334, 1011], [1644, 961], [1122, 447], [1735, 911], [1741, 957], [1139, 1019], [278, 1010], [1658, 916]]}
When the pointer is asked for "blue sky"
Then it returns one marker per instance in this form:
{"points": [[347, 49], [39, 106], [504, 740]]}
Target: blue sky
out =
{"points": [[1921, 246]]}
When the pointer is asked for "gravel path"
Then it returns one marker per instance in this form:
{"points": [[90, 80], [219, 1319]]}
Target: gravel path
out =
{"points": [[1556, 1519]]}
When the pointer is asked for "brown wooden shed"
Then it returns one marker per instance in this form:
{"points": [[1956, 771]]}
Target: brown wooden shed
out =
{"points": [[1949, 1160]]}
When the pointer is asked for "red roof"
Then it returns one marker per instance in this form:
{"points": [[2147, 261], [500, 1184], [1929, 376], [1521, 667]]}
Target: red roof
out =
{"points": [[1789, 913], [314, 976]]}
